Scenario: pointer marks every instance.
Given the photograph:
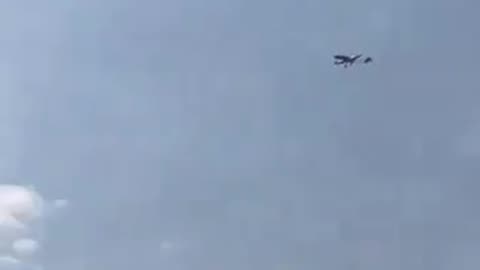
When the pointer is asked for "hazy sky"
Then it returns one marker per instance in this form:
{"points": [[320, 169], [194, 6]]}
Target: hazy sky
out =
{"points": [[208, 134]]}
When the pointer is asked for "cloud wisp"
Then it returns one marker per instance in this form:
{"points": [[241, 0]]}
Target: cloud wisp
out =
{"points": [[22, 211]]}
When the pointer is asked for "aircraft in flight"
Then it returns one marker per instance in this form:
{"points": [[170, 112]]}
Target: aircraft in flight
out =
{"points": [[346, 60]]}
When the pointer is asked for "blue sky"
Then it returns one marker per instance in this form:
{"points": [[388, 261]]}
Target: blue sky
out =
{"points": [[218, 134]]}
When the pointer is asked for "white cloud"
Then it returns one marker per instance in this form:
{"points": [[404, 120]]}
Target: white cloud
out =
{"points": [[22, 210], [25, 247], [22, 204], [8, 262]]}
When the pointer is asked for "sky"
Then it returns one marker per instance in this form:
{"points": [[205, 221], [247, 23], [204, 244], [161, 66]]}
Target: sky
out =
{"points": [[215, 134]]}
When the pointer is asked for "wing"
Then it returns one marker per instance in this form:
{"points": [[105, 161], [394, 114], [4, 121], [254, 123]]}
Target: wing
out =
{"points": [[355, 56], [341, 57]]}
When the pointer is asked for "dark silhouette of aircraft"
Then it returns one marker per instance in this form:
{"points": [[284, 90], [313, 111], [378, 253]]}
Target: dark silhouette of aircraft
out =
{"points": [[346, 60]]}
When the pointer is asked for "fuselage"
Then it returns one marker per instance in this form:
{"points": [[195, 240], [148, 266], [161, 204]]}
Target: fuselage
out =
{"points": [[346, 60]]}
